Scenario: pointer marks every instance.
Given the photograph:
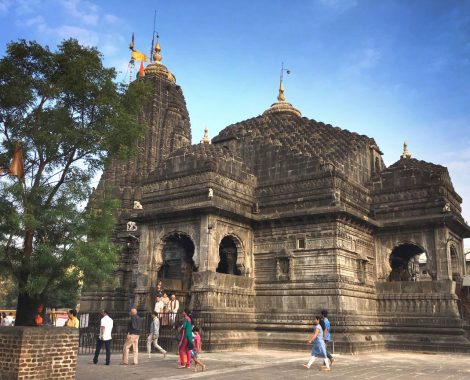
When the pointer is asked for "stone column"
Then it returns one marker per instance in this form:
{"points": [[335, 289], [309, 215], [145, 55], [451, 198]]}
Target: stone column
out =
{"points": [[441, 255], [203, 244]]}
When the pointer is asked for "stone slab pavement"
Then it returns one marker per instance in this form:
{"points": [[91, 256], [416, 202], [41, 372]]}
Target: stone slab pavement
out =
{"points": [[272, 365]]}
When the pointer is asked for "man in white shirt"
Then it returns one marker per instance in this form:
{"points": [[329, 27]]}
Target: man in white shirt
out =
{"points": [[9, 320], [159, 306], [106, 328], [174, 307]]}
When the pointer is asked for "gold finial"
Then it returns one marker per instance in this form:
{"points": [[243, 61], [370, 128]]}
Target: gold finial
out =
{"points": [[281, 96], [157, 57], [205, 138], [406, 152]]}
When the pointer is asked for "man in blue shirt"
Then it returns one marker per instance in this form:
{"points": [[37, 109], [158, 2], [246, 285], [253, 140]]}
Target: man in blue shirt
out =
{"points": [[326, 333]]}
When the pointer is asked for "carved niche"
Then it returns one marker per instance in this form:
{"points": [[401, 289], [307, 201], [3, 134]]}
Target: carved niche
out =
{"points": [[284, 266]]}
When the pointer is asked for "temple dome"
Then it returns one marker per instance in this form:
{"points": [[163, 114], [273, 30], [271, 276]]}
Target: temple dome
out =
{"points": [[157, 68], [282, 106]]}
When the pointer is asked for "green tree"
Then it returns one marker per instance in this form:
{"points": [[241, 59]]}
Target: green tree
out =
{"points": [[70, 117]]}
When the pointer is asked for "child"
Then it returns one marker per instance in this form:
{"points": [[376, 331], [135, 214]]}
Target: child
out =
{"points": [[197, 350]]}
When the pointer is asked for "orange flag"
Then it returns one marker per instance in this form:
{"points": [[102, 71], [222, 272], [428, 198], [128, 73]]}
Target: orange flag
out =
{"points": [[17, 166], [141, 70]]}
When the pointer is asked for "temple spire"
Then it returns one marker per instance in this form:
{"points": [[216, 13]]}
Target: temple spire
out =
{"points": [[406, 152]]}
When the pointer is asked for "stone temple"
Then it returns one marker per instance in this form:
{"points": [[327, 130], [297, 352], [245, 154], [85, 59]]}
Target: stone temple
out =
{"points": [[278, 217]]}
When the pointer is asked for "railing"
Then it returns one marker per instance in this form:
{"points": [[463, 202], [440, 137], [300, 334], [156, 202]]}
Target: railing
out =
{"points": [[90, 327]]}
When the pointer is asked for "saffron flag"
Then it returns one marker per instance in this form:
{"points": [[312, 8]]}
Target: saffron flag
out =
{"points": [[138, 56], [141, 69], [17, 166]]}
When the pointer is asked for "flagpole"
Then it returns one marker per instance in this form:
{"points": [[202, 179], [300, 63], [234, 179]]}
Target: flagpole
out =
{"points": [[153, 35]]}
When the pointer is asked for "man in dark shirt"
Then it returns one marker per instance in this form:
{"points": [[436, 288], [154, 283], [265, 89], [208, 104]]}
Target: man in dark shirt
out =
{"points": [[133, 333]]}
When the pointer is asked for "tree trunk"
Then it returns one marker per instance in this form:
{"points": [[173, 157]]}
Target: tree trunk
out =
{"points": [[26, 307], [26, 310]]}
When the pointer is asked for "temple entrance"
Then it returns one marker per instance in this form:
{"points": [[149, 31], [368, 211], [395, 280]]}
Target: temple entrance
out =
{"points": [[405, 262], [228, 257], [178, 266]]}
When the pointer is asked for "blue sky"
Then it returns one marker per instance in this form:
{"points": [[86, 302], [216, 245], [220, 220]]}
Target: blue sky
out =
{"points": [[392, 70]]}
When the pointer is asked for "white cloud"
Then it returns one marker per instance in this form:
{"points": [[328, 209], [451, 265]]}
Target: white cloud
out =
{"points": [[84, 11], [112, 19], [23, 7], [339, 5], [83, 35], [363, 59], [36, 20], [4, 6]]}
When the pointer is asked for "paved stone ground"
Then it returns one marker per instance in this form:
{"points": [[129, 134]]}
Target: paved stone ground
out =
{"points": [[283, 365]]}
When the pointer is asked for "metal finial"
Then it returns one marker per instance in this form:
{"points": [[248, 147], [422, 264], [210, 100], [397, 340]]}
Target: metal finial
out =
{"points": [[281, 96], [131, 44]]}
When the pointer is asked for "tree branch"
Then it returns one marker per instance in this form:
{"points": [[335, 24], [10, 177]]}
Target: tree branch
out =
{"points": [[61, 180]]}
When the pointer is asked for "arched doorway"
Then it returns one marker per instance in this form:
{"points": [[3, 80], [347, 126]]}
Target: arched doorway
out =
{"points": [[178, 265], [405, 262], [228, 256]]}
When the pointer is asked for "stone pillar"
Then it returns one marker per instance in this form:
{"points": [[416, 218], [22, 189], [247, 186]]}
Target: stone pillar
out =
{"points": [[213, 243], [38, 352], [204, 236], [441, 255]]}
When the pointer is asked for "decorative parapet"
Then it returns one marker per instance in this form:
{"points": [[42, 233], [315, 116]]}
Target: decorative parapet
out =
{"points": [[212, 291]]}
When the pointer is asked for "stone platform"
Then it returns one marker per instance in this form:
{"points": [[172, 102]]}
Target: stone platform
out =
{"points": [[267, 364]]}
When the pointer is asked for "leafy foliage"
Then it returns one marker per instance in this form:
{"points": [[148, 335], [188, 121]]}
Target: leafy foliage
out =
{"points": [[70, 117]]}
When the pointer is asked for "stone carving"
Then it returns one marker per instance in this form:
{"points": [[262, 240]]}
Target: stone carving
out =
{"points": [[131, 226], [137, 205], [210, 193]]}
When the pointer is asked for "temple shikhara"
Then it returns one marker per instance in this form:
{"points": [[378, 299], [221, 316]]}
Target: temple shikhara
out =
{"points": [[278, 217]]}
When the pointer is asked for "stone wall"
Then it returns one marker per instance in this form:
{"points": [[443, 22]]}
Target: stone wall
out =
{"points": [[38, 352]]}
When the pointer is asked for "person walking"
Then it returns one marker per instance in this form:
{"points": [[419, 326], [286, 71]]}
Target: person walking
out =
{"points": [[318, 347], [326, 333], [106, 327], [153, 336], [186, 342], [197, 350], [133, 333]]}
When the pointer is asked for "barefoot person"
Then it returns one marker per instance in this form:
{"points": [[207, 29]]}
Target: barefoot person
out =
{"points": [[318, 348], [197, 350], [186, 343], [153, 336], [326, 333]]}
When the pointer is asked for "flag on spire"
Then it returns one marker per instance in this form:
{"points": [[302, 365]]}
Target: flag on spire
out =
{"points": [[17, 166], [139, 56]]}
